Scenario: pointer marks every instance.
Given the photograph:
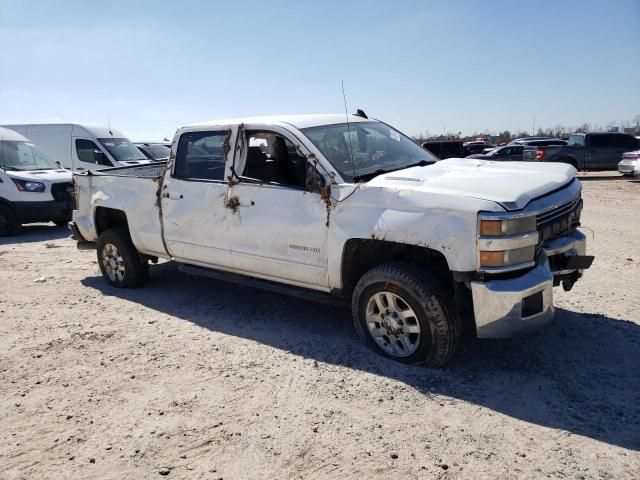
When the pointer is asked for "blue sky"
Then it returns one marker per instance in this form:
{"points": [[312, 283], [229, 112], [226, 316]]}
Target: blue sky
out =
{"points": [[150, 67]]}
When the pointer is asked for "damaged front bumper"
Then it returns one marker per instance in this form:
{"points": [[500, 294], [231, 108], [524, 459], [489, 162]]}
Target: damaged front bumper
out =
{"points": [[505, 308]]}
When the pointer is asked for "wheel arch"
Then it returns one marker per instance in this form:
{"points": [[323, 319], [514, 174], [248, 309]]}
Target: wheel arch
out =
{"points": [[362, 254], [105, 218], [569, 160]]}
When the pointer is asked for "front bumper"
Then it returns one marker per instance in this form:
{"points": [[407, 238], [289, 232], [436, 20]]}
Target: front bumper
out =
{"points": [[510, 307], [51, 210], [629, 167]]}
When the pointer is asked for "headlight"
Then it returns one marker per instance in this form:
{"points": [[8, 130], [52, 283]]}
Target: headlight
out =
{"points": [[505, 227], [506, 243], [506, 258], [27, 186]]}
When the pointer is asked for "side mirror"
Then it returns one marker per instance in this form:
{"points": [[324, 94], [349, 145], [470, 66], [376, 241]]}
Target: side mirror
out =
{"points": [[101, 158], [315, 181]]}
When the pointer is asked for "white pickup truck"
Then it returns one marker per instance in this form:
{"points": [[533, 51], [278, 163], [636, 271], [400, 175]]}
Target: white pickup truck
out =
{"points": [[347, 208]]}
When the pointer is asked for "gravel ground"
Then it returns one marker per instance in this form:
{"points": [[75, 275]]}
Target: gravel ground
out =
{"points": [[194, 378]]}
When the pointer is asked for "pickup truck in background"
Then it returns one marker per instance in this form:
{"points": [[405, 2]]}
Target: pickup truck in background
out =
{"points": [[586, 151], [353, 212], [445, 148]]}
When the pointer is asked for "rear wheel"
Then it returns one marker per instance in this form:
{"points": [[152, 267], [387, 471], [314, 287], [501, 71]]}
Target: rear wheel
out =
{"points": [[9, 224], [402, 312], [120, 263]]}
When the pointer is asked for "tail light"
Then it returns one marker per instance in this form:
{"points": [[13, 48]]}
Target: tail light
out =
{"points": [[539, 154]]}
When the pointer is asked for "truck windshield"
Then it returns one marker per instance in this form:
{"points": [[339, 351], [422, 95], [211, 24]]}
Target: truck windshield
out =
{"points": [[24, 156], [363, 150], [121, 149]]}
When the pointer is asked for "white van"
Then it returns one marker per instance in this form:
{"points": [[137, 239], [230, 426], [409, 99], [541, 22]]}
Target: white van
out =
{"points": [[33, 188], [82, 147]]}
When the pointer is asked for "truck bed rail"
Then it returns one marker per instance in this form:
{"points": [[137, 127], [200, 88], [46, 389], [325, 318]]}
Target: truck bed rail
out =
{"points": [[151, 170]]}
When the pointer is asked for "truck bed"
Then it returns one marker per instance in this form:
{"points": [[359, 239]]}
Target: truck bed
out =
{"points": [[131, 190]]}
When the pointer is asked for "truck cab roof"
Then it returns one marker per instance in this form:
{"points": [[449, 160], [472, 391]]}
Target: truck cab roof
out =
{"points": [[297, 121]]}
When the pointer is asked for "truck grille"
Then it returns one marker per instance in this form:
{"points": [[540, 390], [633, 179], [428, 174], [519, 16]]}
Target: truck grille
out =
{"points": [[62, 192], [559, 221]]}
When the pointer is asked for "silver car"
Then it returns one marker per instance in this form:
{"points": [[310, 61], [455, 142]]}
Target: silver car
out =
{"points": [[630, 163]]}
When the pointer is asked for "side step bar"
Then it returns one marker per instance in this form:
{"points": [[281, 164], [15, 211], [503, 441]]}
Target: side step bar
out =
{"points": [[253, 282]]}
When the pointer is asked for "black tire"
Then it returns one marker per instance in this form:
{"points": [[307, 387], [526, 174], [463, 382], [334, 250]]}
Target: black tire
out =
{"points": [[134, 269], [9, 224], [440, 327]]}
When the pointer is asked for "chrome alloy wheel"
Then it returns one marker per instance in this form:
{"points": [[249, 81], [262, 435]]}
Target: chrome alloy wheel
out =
{"points": [[393, 324], [113, 263]]}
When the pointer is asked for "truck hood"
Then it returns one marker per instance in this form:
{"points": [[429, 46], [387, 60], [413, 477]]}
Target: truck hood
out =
{"points": [[44, 176], [511, 184]]}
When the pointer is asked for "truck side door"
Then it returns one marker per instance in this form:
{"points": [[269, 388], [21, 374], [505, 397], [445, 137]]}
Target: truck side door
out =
{"points": [[278, 228], [193, 196], [602, 151]]}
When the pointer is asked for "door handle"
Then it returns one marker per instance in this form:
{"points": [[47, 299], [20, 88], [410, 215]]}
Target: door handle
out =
{"points": [[173, 195]]}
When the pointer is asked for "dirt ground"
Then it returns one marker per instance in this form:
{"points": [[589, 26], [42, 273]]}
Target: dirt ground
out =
{"points": [[211, 380]]}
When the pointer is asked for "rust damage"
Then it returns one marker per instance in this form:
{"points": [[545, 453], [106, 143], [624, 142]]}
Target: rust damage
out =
{"points": [[325, 195], [232, 203], [226, 146], [315, 184], [159, 180]]}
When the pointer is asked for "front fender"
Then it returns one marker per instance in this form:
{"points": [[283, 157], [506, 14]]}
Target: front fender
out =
{"points": [[442, 223]]}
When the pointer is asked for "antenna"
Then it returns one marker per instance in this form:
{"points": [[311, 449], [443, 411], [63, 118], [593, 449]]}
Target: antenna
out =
{"points": [[346, 114], [109, 127]]}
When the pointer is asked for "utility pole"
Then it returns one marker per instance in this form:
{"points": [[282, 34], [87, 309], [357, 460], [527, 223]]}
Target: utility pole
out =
{"points": [[533, 130]]}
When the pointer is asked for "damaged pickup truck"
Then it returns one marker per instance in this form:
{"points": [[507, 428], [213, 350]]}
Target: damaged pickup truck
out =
{"points": [[324, 208]]}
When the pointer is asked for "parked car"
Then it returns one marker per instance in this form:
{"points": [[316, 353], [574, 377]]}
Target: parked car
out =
{"points": [[445, 148], [33, 188], [82, 147], [352, 212], [630, 164], [471, 148], [508, 153], [158, 152], [594, 151], [538, 142]]}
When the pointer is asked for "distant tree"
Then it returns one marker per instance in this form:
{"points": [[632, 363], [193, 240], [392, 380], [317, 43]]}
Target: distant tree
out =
{"points": [[504, 137], [584, 128], [558, 131], [612, 125]]}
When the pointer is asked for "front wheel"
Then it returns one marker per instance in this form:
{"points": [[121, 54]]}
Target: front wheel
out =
{"points": [[9, 224], [403, 313], [119, 261]]}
